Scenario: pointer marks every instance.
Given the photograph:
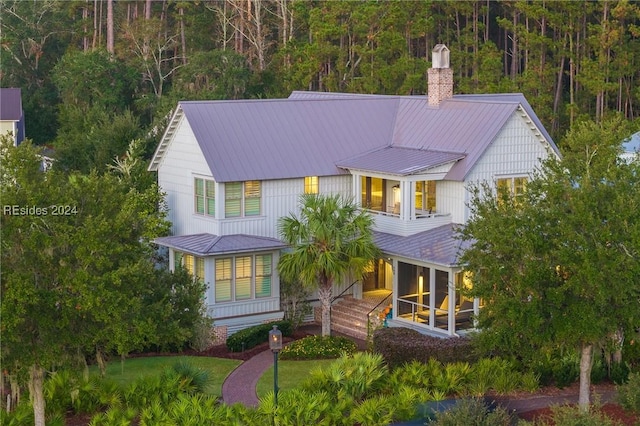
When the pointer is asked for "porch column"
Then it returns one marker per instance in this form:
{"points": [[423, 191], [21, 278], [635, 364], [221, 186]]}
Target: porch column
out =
{"points": [[405, 200], [394, 288], [451, 291]]}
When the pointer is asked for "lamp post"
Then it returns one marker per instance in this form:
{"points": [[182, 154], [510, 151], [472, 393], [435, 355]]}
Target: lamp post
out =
{"points": [[275, 344]]}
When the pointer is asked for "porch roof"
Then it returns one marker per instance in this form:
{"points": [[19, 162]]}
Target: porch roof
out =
{"points": [[211, 245], [400, 161], [439, 245]]}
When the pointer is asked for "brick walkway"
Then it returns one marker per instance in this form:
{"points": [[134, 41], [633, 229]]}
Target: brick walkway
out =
{"points": [[240, 385]]}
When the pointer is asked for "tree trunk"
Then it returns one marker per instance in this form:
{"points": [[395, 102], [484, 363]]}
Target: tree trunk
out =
{"points": [[36, 382], [585, 377], [110, 26], [324, 294]]}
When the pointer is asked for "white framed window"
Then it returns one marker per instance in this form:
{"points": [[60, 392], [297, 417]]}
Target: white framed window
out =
{"points": [[204, 196], [311, 185], [193, 264], [243, 277], [243, 198], [515, 185]]}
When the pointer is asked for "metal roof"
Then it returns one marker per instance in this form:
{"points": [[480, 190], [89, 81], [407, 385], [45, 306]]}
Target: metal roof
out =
{"points": [[439, 246], [313, 133], [209, 244], [400, 161], [280, 139], [10, 104]]}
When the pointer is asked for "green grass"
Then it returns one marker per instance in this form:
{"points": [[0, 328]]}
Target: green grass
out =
{"points": [[290, 374], [133, 368]]}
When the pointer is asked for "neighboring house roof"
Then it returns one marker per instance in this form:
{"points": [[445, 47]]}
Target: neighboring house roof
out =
{"points": [[10, 104], [318, 134], [11, 110], [209, 244], [439, 246], [632, 144]]}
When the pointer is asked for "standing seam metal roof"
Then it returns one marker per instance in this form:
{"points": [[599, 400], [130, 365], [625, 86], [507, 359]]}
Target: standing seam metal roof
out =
{"points": [[439, 246], [313, 134], [209, 244]]}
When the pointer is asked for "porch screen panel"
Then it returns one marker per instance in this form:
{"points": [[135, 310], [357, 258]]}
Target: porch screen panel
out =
{"points": [[252, 196], [233, 199], [223, 280], [263, 275], [243, 277], [377, 194], [407, 288]]}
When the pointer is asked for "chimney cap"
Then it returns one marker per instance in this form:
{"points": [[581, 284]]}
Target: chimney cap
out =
{"points": [[440, 56]]}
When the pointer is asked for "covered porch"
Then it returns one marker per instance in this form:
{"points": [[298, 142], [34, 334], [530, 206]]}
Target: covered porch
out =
{"points": [[426, 282]]}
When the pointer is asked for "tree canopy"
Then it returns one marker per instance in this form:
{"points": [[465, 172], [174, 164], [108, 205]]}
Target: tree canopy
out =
{"points": [[78, 273], [558, 265], [571, 59]]}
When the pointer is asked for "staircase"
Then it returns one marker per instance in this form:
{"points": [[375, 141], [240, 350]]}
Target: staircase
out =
{"points": [[349, 315]]}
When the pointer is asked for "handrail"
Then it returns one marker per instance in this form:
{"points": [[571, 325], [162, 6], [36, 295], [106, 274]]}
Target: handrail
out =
{"points": [[369, 315], [380, 303], [343, 292]]}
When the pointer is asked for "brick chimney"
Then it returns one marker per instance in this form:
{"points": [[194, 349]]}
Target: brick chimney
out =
{"points": [[439, 76]]}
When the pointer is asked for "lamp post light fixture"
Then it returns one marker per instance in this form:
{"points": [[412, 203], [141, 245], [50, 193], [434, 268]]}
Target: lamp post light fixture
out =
{"points": [[275, 344]]}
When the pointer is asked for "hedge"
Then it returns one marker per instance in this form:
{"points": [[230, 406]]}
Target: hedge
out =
{"points": [[399, 345], [253, 336]]}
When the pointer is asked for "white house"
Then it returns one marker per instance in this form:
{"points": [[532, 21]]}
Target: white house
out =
{"points": [[11, 114], [230, 169]]}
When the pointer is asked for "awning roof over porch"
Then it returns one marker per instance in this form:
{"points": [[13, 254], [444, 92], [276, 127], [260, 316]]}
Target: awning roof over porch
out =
{"points": [[401, 161], [439, 246], [211, 245]]}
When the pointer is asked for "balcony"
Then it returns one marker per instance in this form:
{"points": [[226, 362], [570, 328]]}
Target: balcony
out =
{"points": [[393, 222]]}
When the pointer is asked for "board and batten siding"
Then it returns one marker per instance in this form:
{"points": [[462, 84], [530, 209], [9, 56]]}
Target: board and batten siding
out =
{"points": [[182, 161], [516, 151]]}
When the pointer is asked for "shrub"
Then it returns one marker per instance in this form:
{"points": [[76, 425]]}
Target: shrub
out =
{"points": [[253, 336], [400, 345], [319, 347], [356, 377], [629, 393], [472, 411], [619, 372]]}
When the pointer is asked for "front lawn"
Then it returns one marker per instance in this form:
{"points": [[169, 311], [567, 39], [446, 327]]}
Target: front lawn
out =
{"points": [[125, 373], [290, 375]]}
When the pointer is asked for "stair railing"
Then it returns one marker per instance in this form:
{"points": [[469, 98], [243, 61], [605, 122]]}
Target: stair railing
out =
{"points": [[340, 295], [369, 331], [343, 291]]}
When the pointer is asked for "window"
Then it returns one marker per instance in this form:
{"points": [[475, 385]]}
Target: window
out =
{"points": [[426, 195], [514, 186], [242, 198], [223, 280], [311, 185], [374, 193], [263, 275], [194, 265], [205, 196], [243, 277]]}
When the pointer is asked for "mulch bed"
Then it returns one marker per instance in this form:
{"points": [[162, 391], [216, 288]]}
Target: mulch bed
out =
{"points": [[611, 410]]}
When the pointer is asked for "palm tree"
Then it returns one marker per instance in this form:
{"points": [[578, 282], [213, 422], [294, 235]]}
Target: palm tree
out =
{"points": [[330, 239]]}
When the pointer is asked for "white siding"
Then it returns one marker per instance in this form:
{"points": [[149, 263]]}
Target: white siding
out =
{"points": [[516, 151], [182, 160], [450, 198]]}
